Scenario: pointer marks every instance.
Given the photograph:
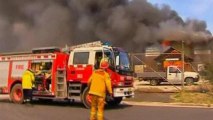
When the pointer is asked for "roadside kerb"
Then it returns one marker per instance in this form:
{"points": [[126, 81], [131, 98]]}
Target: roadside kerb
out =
{"points": [[159, 104]]}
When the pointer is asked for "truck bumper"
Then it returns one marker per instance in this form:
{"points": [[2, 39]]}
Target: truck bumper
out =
{"points": [[123, 92]]}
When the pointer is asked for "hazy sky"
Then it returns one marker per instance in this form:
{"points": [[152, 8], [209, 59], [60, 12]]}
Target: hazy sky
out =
{"points": [[195, 9]]}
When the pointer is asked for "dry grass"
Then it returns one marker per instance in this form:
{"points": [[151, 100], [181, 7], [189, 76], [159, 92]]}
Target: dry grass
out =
{"points": [[192, 97]]}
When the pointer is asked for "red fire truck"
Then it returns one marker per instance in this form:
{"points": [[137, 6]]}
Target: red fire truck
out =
{"points": [[63, 73]]}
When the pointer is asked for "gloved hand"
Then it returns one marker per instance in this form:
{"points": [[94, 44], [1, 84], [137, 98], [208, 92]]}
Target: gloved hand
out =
{"points": [[111, 97]]}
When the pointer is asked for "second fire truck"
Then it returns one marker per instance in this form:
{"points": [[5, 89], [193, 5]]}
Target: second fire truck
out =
{"points": [[64, 73]]}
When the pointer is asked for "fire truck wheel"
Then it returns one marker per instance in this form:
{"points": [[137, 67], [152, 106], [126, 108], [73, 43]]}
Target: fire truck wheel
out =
{"points": [[16, 94], [116, 101], [86, 98]]}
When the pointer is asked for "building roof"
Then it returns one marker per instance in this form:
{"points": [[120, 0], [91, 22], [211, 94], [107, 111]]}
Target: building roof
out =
{"points": [[171, 52]]}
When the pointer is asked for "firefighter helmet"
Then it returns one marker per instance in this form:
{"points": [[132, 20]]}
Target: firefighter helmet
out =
{"points": [[104, 63]]}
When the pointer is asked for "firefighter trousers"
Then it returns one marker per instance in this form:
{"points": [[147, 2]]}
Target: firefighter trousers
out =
{"points": [[27, 94], [97, 108]]}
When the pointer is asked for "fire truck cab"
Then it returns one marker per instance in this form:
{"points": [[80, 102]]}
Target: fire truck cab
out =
{"points": [[63, 74], [82, 61]]}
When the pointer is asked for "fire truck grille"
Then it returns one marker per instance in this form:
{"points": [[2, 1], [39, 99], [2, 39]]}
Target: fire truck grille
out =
{"points": [[128, 83]]}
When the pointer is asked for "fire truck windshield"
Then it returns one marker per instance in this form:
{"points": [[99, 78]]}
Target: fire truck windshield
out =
{"points": [[122, 61]]}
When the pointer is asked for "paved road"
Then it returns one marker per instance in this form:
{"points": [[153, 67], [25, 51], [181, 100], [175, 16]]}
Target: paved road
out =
{"points": [[65, 111]]}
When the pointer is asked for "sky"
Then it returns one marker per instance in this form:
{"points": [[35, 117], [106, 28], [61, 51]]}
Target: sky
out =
{"points": [[194, 9]]}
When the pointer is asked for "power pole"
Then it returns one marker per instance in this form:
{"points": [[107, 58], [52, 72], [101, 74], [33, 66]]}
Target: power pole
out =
{"points": [[183, 69]]}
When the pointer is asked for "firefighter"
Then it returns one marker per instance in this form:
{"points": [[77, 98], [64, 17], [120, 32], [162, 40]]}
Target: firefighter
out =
{"points": [[97, 62], [99, 83], [27, 84]]}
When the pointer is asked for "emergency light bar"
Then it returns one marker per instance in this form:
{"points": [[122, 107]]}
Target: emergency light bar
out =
{"points": [[107, 43]]}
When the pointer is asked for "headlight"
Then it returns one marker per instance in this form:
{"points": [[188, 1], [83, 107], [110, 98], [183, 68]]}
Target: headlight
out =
{"points": [[120, 84], [122, 78]]}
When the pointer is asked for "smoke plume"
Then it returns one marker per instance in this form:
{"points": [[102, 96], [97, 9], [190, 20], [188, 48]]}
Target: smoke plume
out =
{"points": [[26, 24]]}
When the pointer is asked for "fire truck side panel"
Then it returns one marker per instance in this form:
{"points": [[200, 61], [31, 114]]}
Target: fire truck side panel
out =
{"points": [[18, 68], [59, 61], [11, 70], [36, 68], [4, 76]]}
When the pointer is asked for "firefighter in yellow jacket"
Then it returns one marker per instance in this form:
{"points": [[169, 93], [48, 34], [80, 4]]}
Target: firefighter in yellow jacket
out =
{"points": [[99, 83], [27, 84]]}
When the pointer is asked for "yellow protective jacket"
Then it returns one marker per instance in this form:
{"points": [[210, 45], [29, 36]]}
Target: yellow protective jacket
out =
{"points": [[27, 79], [99, 82]]}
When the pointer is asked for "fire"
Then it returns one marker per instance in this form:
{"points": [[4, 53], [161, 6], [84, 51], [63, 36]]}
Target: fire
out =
{"points": [[166, 43]]}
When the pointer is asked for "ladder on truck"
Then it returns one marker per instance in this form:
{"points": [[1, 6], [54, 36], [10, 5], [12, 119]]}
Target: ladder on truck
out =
{"points": [[90, 44], [74, 90], [61, 86]]}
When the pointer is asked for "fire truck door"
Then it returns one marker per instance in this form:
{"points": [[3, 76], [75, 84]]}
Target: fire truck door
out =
{"points": [[81, 66]]}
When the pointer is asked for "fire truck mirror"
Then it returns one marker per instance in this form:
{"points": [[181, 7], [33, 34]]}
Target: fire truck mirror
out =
{"points": [[117, 61]]}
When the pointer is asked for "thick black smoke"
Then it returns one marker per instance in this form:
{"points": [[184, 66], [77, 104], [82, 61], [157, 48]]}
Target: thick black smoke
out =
{"points": [[25, 24]]}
